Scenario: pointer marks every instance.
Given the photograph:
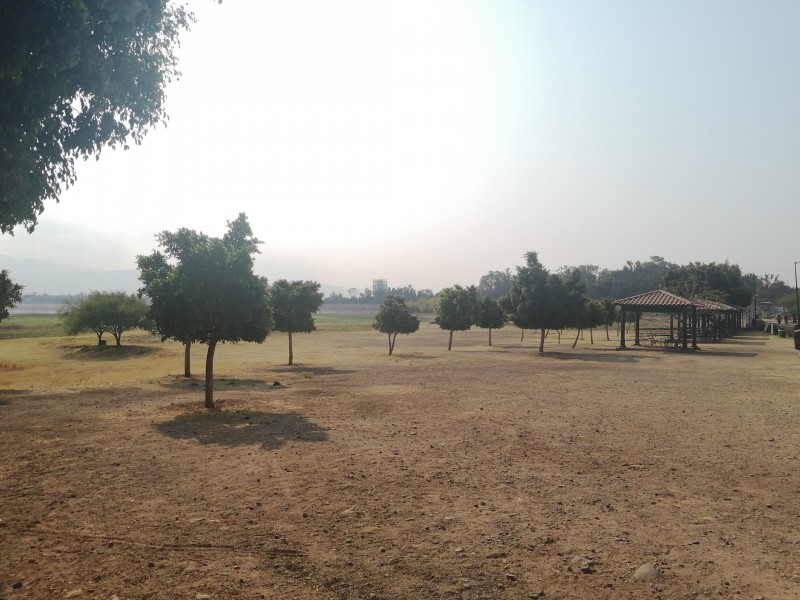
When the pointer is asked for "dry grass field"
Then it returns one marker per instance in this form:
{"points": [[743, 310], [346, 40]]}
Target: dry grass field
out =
{"points": [[484, 472]]}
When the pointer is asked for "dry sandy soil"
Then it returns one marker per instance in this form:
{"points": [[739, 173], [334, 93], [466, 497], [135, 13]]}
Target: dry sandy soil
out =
{"points": [[484, 472]]}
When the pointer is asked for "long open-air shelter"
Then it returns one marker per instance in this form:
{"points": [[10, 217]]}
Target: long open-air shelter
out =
{"points": [[718, 320], [660, 301]]}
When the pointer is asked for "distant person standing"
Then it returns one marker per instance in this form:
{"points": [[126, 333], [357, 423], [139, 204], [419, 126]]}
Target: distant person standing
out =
{"points": [[780, 318]]}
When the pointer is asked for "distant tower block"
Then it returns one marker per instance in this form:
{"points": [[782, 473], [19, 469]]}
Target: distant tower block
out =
{"points": [[379, 287]]}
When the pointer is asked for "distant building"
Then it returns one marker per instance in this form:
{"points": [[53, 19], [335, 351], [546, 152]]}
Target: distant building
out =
{"points": [[379, 287]]}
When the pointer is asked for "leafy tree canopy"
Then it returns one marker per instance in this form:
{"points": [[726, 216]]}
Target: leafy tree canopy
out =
{"points": [[712, 281], [76, 76], [100, 312], [634, 278], [538, 299], [10, 294], [495, 284], [490, 315], [293, 306], [395, 317], [206, 291], [455, 309]]}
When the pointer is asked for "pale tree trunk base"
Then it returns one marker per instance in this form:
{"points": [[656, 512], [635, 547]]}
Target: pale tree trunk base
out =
{"points": [[187, 359], [210, 375]]}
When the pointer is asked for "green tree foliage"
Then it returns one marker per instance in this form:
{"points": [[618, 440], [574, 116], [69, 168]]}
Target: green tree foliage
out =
{"points": [[610, 314], [168, 299], [101, 312], [634, 278], [406, 292], [588, 273], [395, 317], [495, 284], [538, 299], [712, 281], [768, 288], [75, 77], [211, 281], [293, 306], [490, 315], [588, 315], [455, 309], [10, 294]]}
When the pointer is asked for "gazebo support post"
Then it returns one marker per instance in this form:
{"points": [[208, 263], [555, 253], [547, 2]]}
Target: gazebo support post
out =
{"points": [[636, 329], [621, 328], [684, 330], [694, 328]]}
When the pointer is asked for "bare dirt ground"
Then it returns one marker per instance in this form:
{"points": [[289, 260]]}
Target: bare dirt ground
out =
{"points": [[476, 473]]}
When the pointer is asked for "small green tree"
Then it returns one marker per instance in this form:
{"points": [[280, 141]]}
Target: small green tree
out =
{"points": [[490, 315], [211, 282], [395, 317], [168, 297], [610, 315], [455, 310], [537, 299], [590, 314], [101, 312], [293, 306], [10, 294]]}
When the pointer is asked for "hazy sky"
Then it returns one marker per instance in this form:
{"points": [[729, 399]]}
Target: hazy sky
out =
{"points": [[429, 142]]}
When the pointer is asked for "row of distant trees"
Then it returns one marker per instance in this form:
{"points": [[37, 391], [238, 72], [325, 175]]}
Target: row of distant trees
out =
{"points": [[713, 281], [534, 299], [367, 296]]}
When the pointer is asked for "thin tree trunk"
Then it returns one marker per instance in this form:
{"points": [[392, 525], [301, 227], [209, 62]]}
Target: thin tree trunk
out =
{"points": [[608, 337], [391, 345], [541, 342], [575, 343], [559, 335], [490, 336], [187, 359], [291, 353], [591, 336], [450, 343], [522, 337], [210, 375]]}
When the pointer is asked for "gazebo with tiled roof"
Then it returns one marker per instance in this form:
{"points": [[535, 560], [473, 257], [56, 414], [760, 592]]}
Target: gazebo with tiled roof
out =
{"points": [[718, 319], [659, 301]]}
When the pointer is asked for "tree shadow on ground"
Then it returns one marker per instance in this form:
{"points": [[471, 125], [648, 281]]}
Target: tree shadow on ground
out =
{"points": [[616, 357], [312, 370], [112, 352], [243, 428], [224, 383], [744, 343], [411, 355], [732, 354]]}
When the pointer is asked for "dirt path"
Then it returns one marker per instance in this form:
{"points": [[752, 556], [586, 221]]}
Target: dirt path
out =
{"points": [[478, 473]]}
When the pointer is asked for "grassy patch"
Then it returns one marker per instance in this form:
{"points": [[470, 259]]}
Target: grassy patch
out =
{"points": [[30, 326]]}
